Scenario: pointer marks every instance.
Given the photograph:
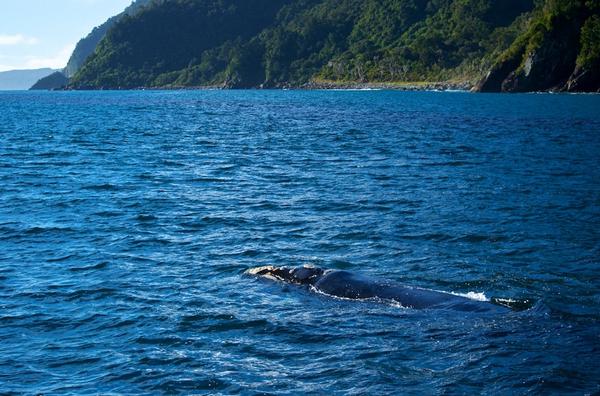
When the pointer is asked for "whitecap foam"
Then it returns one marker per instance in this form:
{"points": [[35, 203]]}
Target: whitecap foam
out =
{"points": [[473, 296]]}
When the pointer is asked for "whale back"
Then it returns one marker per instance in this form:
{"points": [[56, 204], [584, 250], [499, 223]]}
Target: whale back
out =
{"points": [[346, 284], [307, 275], [349, 285]]}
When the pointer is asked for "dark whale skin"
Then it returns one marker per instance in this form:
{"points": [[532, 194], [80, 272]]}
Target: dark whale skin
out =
{"points": [[350, 285]]}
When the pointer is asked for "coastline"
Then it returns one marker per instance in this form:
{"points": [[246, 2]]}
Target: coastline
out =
{"points": [[398, 86], [328, 86], [318, 85], [309, 86]]}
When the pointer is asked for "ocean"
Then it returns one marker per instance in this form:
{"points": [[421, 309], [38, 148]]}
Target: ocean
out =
{"points": [[128, 220]]}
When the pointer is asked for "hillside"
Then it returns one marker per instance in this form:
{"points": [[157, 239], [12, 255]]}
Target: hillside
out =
{"points": [[56, 80], [86, 46], [21, 79], [279, 43], [560, 51], [159, 45]]}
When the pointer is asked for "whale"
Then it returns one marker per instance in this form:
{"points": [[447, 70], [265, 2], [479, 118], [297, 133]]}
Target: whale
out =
{"points": [[355, 286]]}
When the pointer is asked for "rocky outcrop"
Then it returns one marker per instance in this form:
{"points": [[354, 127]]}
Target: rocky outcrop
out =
{"points": [[545, 68], [548, 66], [586, 76], [546, 59], [583, 80], [495, 78]]}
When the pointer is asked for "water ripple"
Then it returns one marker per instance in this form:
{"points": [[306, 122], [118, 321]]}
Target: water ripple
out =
{"points": [[127, 220]]}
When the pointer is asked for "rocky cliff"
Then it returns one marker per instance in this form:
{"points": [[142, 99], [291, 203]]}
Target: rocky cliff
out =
{"points": [[558, 52]]}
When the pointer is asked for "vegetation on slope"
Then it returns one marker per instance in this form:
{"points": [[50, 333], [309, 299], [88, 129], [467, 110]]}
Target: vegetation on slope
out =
{"points": [[559, 50], [56, 80], [277, 43], [86, 46], [240, 43]]}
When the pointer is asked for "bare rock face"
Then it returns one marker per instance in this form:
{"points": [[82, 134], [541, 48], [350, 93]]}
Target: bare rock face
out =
{"points": [[547, 67], [560, 51], [494, 79], [583, 80]]}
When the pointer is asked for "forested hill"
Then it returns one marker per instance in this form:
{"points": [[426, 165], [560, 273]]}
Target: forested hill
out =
{"points": [[86, 46], [279, 43]]}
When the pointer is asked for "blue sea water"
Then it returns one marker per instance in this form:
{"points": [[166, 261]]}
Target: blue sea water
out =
{"points": [[127, 220]]}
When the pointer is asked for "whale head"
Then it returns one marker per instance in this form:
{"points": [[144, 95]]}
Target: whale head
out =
{"points": [[303, 275]]}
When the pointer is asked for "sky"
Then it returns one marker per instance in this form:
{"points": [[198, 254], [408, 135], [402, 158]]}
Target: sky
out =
{"points": [[43, 33]]}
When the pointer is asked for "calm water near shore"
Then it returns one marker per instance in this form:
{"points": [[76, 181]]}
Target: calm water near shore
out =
{"points": [[127, 220]]}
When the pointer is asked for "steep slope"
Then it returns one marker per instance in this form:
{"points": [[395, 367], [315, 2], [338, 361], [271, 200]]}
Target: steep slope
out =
{"points": [[435, 40], [171, 35], [189, 43], [559, 51], [21, 79], [586, 75], [259, 43], [86, 46]]}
